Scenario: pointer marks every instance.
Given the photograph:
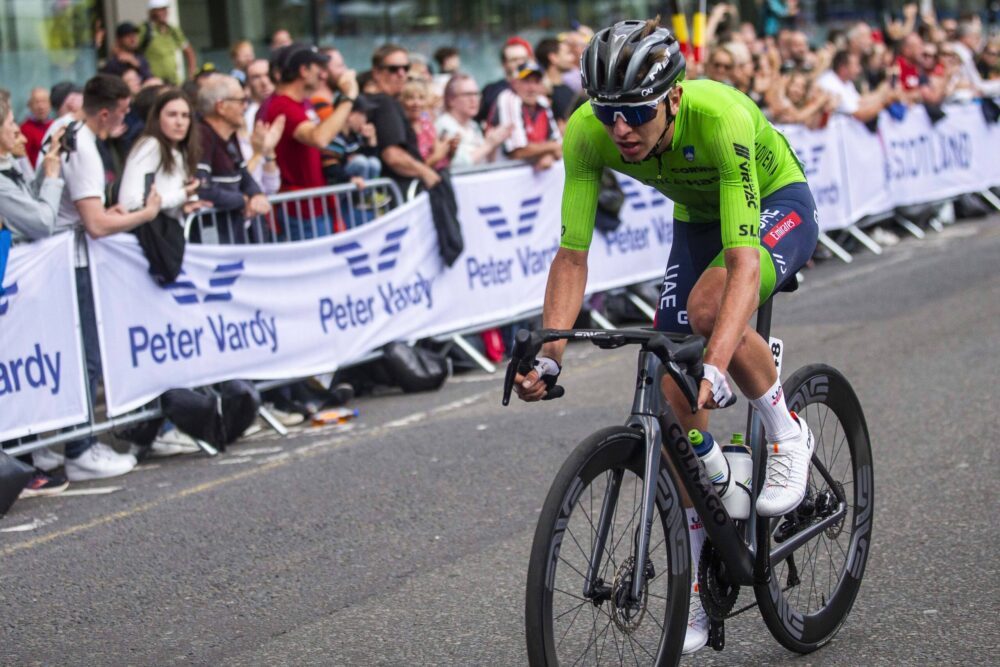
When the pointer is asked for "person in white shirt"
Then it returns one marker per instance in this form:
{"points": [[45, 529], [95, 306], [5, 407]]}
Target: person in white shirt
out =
{"points": [[168, 149], [969, 42], [461, 103], [839, 81]]}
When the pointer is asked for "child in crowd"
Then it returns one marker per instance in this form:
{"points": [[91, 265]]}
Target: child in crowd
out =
{"points": [[351, 154]]}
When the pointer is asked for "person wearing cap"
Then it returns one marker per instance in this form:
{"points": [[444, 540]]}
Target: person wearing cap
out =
{"points": [[300, 68], [37, 122], [125, 52], [161, 43], [535, 137], [514, 53]]}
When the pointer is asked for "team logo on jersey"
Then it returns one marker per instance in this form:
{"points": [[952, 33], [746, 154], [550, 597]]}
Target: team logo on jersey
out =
{"points": [[689, 153]]}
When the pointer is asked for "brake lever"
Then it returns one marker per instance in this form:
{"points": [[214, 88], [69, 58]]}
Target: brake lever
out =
{"points": [[522, 360]]}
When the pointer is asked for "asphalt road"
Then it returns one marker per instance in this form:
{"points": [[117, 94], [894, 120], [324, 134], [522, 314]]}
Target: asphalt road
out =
{"points": [[404, 540]]}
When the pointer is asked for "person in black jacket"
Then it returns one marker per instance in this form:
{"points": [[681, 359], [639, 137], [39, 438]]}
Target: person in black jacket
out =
{"points": [[222, 170]]}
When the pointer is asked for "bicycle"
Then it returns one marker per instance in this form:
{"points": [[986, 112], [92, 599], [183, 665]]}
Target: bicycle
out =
{"points": [[589, 596]]}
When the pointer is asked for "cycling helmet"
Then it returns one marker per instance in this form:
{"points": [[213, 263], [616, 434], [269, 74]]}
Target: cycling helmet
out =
{"points": [[612, 62]]}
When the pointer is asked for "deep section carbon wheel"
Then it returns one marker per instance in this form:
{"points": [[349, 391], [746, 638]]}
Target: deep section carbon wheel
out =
{"points": [[565, 623], [812, 590]]}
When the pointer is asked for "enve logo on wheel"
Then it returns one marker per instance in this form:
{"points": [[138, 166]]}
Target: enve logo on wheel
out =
{"points": [[366, 261], [185, 292]]}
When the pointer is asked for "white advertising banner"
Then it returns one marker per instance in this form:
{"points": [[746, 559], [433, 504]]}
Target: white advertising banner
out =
{"points": [[42, 381], [822, 158], [927, 162], [288, 310]]}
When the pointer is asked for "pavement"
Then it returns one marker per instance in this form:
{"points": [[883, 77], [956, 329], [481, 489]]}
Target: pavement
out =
{"points": [[403, 538]]}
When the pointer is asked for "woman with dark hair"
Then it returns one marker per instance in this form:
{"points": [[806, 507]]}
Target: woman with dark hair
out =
{"points": [[168, 150]]}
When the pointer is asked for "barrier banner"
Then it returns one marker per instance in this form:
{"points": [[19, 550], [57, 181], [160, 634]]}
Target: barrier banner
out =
{"points": [[822, 157], [926, 162], [42, 377], [289, 310]]}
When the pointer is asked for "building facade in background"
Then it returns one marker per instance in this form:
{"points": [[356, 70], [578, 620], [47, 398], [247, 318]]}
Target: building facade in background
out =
{"points": [[45, 41]]}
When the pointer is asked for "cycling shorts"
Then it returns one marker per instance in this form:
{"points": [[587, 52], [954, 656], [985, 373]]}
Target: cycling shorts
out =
{"points": [[788, 233]]}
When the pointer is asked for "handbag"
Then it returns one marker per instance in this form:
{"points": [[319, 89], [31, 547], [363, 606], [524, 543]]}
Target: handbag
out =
{"points": [[162, 242], [14, 476]]}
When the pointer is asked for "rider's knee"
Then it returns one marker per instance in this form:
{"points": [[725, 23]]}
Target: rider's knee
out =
{"points": [[702, 318]]}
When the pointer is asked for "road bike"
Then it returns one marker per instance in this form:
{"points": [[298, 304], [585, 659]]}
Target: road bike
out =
{"points": [[609, 577]]}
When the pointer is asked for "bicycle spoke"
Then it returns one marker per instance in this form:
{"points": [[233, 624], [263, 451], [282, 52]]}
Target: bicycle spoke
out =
{"points": [[569, 627], [571, 595]]}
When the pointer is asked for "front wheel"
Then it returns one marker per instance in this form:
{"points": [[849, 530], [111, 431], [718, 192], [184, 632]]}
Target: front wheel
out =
{"points": [[812, 591], [565, 626]]}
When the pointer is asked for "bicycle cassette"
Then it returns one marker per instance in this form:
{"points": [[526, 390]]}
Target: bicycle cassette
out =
{"points": [[717, 595]]}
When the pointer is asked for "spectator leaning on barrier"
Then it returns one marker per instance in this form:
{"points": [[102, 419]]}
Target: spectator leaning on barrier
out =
{"points": [[168, 149], [161, 43], [515, 52], [535, 136], [397, 141], [125, 52], [37, 122], [839, 81], [105, 103], [222, 173], [353, 150], [556, 59], [298, 152], [969, 41], [461, 103]]}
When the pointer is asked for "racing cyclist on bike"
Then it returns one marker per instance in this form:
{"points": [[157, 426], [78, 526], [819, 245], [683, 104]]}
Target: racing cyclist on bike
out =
{"points": [[744, 223]]}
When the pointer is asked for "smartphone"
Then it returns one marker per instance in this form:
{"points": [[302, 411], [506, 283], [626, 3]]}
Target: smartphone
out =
{"points": [[148, 184]]}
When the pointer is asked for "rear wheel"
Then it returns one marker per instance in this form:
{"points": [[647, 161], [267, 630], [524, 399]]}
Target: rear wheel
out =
{"points": [[812, 591], [563, 627]]}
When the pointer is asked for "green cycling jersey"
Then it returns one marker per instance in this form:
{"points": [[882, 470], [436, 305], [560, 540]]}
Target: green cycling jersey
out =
{"points": [[724, 158]]}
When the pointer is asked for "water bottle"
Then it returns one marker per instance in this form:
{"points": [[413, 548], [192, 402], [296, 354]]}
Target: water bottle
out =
{"points": [[716, 465], [737, 500]]}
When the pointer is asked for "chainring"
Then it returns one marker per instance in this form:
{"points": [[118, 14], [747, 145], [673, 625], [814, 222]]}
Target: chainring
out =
{"points": [[717, 595]]}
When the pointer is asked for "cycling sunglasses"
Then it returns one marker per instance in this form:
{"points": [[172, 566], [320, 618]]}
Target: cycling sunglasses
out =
{"points": [[634, 115]]}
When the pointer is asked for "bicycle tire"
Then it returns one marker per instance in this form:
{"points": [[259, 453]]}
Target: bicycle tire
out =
{"points": [[550, 567], [817, 392]]}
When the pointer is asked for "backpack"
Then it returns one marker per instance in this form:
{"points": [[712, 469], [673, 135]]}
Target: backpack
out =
{"points": [[414, 368], [217, 415]]}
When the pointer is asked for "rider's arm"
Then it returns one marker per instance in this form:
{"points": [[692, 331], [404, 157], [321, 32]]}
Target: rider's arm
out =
{"points": [[568, 273], [739, 206]]}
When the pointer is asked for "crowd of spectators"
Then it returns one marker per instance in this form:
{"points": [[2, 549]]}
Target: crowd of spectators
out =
{"points": [[298, 118]]}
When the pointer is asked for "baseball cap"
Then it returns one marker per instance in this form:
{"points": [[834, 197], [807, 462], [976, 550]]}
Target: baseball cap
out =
{"points": [[159, 4], [524, 70], [126, 28], [290, 58], [61, 91]]}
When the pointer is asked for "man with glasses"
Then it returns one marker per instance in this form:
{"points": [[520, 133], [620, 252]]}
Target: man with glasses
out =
{"points": [[397, 140], [744, 223], [222, 170]]}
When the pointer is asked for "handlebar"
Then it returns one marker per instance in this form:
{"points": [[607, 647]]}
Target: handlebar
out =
{"points": [[681, 355]]}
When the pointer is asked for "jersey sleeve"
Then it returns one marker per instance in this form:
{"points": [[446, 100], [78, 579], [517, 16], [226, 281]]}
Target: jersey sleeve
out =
{"points": [[731, 143], [583, 165]]}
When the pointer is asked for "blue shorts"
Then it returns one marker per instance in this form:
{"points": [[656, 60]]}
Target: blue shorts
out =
{"points": [[788, 233]]}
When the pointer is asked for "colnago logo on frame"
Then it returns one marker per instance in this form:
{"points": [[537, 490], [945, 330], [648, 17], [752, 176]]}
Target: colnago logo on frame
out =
{"points": [[504, 227], [185, 292], [366, 261], [6, 292]]}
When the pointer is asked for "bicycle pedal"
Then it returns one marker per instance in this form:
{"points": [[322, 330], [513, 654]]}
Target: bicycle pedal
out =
{"points": [[717, 635]]}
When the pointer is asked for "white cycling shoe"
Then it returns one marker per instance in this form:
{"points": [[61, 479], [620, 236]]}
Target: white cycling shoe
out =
{"points": [[787, 472], [696, 636]]}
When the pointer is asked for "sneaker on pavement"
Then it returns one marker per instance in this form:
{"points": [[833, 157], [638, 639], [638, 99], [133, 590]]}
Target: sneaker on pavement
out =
{"points": [[697, 631], [98, 462], [45, 459], [286, 418], [787, 472], [172, 443], [44, 484]]}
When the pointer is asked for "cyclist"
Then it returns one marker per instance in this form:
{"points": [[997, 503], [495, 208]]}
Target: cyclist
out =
{"points": [[744, 223]]}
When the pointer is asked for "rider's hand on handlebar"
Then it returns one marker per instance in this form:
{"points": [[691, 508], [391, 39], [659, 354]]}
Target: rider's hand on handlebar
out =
{"points": [[535, 385], [714, 390]]}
